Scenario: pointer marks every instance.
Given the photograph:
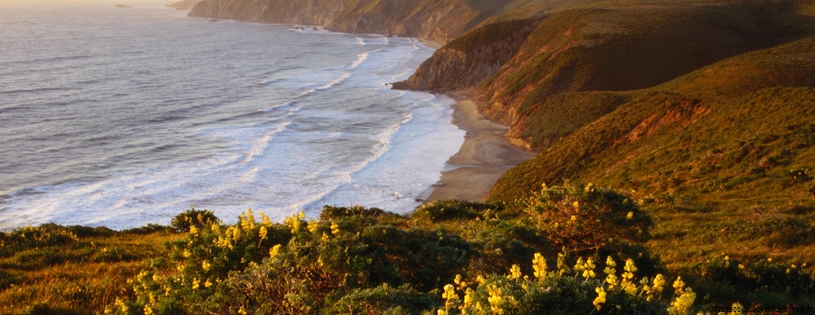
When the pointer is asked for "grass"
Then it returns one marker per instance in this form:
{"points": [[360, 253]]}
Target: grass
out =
{"points": [[722, 149], [72, 270], [628, 47], [357, 260]]}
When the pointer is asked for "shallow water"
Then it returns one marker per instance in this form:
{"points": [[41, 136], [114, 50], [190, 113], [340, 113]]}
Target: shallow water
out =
{"points": [[122, 117]]}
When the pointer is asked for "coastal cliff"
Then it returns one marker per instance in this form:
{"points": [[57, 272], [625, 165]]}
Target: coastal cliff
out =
{"points": [[471, 58], [438, 21], [518, 70]]}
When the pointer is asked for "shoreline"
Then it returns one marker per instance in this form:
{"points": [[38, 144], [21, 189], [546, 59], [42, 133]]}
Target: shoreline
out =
{"points": [[484, 156]]}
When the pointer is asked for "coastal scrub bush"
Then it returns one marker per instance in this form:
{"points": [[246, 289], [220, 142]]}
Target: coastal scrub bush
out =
{"points": [[193, 217], [333, 213], [581, 289], [34, 237], [582, 217], [731, 280], [293, 267], [454, 209], [384, 299]]}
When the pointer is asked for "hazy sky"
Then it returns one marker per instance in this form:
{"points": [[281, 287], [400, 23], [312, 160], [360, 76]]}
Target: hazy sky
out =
{"points": [[68, 2]]}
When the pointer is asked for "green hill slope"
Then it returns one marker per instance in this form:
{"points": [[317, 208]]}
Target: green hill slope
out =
{"points": [[627, 48], [725, 148]]}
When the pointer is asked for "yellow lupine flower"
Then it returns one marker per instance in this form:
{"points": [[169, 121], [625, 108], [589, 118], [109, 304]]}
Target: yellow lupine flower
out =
{"points": [[449, 295], [275, 250], [601, 297], [515, 272], [679, 285], [312, 226], [580, 265], [335, 229], [659, 282], [610, 262], [265, 220], [629, 266], [205, 265], [612, 281], [683, 303], [247, 220], [539, 264], [495, 299], [469, 295]]}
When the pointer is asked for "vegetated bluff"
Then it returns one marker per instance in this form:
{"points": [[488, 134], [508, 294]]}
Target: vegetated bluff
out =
{"points": [[439, 21]]}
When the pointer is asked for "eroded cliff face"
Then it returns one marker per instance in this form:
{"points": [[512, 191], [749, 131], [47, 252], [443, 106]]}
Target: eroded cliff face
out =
{"points": [[439, 21], [469, 60]]}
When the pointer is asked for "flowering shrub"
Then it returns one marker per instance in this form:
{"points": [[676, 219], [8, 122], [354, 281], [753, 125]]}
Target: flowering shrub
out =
{"points": [[756, 279], [577, 290], [294, 267], [581, 217], [192, 217]]}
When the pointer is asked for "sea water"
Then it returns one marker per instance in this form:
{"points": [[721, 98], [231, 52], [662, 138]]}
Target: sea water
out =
{"points": [[127, 116]]}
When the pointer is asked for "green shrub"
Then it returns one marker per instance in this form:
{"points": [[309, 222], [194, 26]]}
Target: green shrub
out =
{"points": [[583, 217], [333, 213], [455, 209], [384, 299], [192, 217]]}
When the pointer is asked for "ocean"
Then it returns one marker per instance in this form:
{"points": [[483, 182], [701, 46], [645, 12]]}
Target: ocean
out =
{"points": [[121, 117]]}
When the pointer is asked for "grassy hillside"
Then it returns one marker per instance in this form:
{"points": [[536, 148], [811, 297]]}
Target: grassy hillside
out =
{"points": [[717, 156], [54, 269], [573, 249], [630, 47]]}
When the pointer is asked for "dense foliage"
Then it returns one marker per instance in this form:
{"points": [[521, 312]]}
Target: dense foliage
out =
{"points": [[570, 249], [450, 257]]}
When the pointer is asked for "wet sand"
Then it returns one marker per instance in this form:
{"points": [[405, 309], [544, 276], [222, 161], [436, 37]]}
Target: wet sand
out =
{"points": [[483, 158]]}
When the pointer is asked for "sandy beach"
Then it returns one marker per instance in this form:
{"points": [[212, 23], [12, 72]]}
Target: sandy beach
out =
{"points": [[483, 158]]}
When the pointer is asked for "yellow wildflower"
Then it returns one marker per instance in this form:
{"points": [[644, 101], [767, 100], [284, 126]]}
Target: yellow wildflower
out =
{"points": [[659, 282], [515, 272], [601, 297], [683, 303], [495, 299], [335, 229], [539, 264], [274, 251], [679, 285]]}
